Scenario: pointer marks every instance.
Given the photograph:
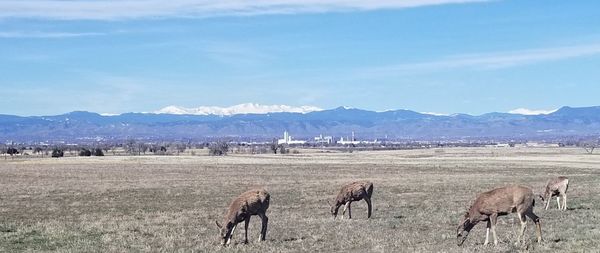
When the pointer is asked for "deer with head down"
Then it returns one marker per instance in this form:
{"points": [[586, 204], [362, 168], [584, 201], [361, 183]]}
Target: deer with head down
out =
{"points": [[252, 202], [350, 192], [556, 187], [498, 202]]}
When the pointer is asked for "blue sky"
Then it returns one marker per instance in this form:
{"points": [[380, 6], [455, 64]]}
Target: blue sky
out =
{"points": [[443, 56]]}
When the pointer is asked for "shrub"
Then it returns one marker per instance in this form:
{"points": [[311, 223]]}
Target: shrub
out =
{"points": [[98, 152], [282, 149], [218, 149], [12, 151], [57, 153], [38, 150], [85, 152]]}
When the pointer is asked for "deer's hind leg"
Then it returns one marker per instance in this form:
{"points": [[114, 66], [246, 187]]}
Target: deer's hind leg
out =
{"points": [[263, 230], [523, 220], [537, 222], [246, 223], [369, 207]]}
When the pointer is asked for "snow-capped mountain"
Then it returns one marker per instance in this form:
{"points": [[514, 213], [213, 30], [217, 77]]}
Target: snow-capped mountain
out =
{"points": [[525, 111], [567, 122], [247, 108]]}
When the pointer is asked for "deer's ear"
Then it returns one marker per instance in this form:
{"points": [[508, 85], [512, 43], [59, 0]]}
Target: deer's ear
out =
{"points": [[218, 225]]}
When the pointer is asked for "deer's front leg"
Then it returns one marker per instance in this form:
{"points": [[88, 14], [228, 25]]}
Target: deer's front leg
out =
{"points": [[231, 235], [493, 220], [350, 210], [345, 207], [523, 221], [487, 232]]}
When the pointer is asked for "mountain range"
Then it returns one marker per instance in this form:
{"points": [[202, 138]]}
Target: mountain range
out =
{"points": [[341, 121]]}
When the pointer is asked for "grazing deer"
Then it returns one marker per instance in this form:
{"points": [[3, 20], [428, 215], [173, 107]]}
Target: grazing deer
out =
{"points": [[252, 202], [502, 201], [354, 191], [556, 187]]}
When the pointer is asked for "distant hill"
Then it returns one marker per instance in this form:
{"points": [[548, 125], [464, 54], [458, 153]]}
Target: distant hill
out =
{"points": [[567, 121]]}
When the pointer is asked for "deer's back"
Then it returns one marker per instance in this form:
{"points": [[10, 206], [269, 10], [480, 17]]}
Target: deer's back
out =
{"points": [[557, 184], [355, 191], [251, 202], [504, 200]]}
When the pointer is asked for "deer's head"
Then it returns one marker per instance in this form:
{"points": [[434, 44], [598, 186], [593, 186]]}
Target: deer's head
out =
{"points": [[333, 209], [225, 232], [464, 227]]}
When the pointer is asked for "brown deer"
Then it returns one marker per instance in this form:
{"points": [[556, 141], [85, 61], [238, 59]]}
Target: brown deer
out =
{"points": [[556, 187], [252, 202], [501, 201], [354, 191]]}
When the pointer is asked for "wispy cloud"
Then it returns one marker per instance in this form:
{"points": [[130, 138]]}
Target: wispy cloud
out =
{"points": [[491, 60], [127, 9], [526, 111], [45, 35]]}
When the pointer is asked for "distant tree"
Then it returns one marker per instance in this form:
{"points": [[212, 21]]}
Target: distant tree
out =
{"points": [[98, 152], [589, 148], [85, 152], [274, 146], [180, 148], [218, 149], [589, 145], [130, 147], [144, 148], [12, 151], [282, 149], [38, 150], [56, 152]]}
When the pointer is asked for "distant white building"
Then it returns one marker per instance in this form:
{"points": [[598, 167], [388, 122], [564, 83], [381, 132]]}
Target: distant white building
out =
{"points": [[324, 140], [287, 139], [353, 141], [348, 141]]}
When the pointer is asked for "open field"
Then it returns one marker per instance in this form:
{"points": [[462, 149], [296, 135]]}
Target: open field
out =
{"points": [[169, 203]]}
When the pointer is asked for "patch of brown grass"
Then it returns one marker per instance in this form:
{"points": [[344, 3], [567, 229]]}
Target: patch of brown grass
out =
{"points": [[169, 203]]}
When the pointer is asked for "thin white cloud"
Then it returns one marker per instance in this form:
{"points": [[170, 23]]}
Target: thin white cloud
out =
{"points": [[128, 9], [45, 35], [525, 111], [490, 61]]}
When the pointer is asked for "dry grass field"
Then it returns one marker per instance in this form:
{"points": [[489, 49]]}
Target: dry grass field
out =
{"points": [[169, 203]]}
